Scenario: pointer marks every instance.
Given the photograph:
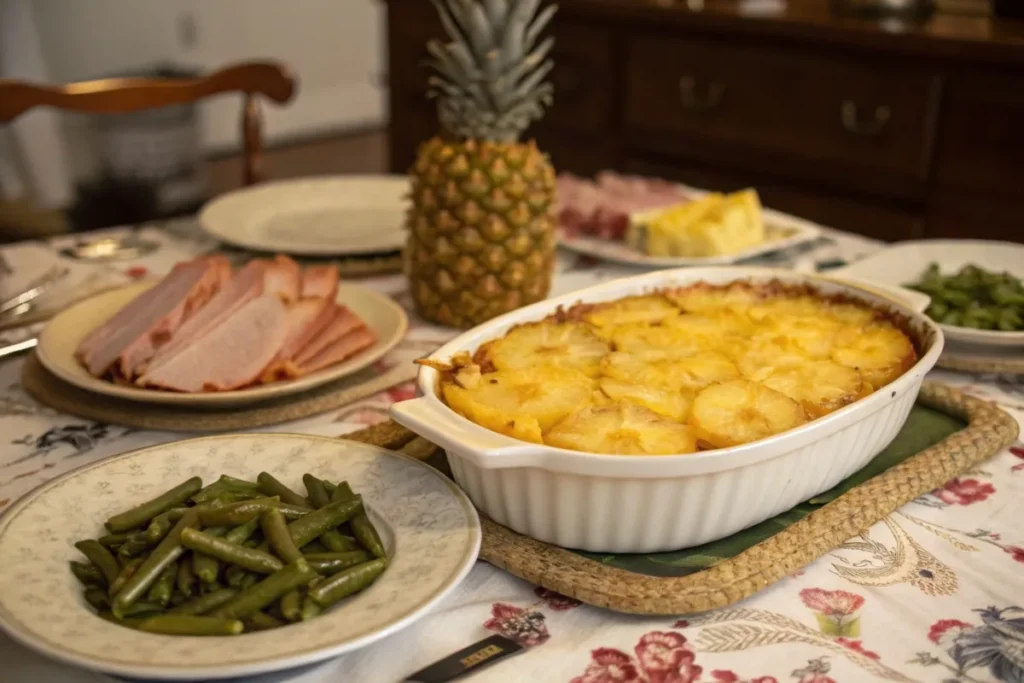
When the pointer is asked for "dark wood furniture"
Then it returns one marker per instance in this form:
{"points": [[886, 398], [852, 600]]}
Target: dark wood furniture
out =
{"points": [[119, 95], [891, 130]]}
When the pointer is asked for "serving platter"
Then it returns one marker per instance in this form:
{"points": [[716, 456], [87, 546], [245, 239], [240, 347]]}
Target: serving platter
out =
{"points": [[904, 262], [325, 216], [428, 526], [783, 232], [64, 333]]}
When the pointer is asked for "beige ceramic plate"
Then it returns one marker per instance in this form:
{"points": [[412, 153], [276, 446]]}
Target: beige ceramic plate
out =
{"points": [[428, 526], [62, 335], [341, 215]]}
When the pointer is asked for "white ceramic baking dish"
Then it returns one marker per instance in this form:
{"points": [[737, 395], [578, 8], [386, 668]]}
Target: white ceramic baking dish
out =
{"points": [[626, 504]]}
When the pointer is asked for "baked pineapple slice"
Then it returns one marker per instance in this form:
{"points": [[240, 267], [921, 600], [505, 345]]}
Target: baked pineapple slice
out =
{"points": [[741, 411], [673, 403], [766, 354], [518, 403], [692, 371], [851, 314], [621, 428], [814, 336], [820, 386], [880, 352], [781, 307], [708, 326], [633, 310], [703, 297], [566, 345], [656, 339]]}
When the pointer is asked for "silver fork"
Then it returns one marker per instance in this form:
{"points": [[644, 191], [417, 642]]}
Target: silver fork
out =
{"points": [[20, 304]]}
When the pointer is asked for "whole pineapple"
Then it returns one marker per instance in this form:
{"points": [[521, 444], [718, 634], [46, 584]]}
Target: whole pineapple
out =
{"points": [[481, 227]]}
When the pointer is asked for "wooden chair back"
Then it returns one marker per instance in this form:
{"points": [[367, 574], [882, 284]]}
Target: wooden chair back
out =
{"points": [[121, 95]]}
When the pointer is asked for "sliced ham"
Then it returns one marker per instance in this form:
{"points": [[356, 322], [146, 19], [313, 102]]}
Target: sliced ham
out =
{"points": [[340, 349], [306, 318], [320, 281], [230, 356], [134, 333], [283, 278], [343, 322], [242, 288]]}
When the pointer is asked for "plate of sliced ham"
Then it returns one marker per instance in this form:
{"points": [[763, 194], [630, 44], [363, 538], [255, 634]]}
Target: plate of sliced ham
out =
{"points": [[206, 334], [326, 216]]}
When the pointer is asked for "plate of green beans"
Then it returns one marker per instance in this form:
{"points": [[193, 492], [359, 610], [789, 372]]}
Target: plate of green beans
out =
{"points": [[975, 305], [226, 556]]}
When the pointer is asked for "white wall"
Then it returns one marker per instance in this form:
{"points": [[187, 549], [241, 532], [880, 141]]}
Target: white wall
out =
{"points": [[336, 47]]}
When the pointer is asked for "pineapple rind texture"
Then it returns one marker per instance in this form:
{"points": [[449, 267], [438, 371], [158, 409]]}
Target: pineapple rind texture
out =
{"points": [[678, 371], [481, 241]]}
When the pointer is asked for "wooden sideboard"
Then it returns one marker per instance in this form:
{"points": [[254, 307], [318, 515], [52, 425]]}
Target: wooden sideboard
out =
{"points": [[893, 130]]}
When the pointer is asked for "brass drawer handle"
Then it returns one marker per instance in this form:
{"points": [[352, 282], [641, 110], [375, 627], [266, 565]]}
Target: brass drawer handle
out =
{"points": [[849, 114], [694, 101]]}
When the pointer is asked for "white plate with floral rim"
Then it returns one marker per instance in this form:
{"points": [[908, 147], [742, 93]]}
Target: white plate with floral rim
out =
{"points": [[62, 335], [429, 527], [326, 216]]}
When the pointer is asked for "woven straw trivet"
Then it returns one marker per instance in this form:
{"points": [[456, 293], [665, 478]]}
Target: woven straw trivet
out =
{"points": [[966, 362], [988, 430], [60, 395]]}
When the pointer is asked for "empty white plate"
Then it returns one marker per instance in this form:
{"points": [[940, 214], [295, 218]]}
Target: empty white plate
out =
{"points": [[325, 216]]}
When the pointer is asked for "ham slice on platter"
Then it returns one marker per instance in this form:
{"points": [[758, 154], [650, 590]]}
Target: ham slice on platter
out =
{"points": [[320, 281], [602, 208], [230, 356], [283, 278], [135, 333], [342, 322], [247, 285], [307, 317], [345, 347]]}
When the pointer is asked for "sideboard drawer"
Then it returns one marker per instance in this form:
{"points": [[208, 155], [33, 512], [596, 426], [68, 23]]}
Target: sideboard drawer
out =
{"points": [[872, 116]]}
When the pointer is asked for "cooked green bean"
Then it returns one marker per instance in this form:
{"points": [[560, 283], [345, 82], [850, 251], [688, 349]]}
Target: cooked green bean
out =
{"points": [[126, 573], [243, 511], [168, 551], [973, 297], [253, 560], [97, 597], [189, 625], [255, 598], [114, 540], [160, 592], [234, 574], [275, 530], [130, 622], [207, 568], [305, 529], [367, 535], [241, 533], [101, 559], [249, 580], [316, 492], [272, 487], [142, 608], [261, 621], [186, 580], [162, 524], [332, 563], [347, 582], [291, 605], [88, 574], [330, 487], [141, 514], [136, 544], [316, 546], [309, 609], [205, 603]]}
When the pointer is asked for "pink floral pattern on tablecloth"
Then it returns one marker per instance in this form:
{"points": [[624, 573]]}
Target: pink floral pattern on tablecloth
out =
{"points": [[995, 645], [556, 601], [964, 491], [659, 657], [836, 611], [1017, 452], [525, 626]]}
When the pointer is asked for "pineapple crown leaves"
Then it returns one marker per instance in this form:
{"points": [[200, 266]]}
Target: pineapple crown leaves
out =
{"points": [[489, 80]]}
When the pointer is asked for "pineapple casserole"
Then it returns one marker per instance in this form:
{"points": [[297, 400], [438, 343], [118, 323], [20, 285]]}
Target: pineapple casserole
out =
{"points": [[678, 370]]}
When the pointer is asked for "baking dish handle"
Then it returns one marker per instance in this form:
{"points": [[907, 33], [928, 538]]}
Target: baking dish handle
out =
{"points": [[439, 425]]}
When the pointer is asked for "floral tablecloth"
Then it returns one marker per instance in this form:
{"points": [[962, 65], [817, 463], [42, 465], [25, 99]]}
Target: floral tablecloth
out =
{"points": [[933, 593]]}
